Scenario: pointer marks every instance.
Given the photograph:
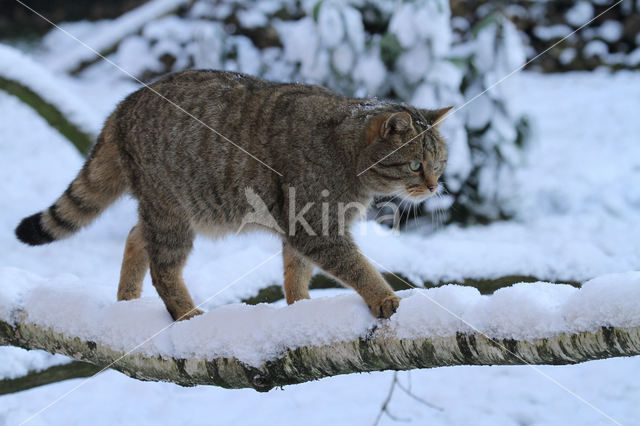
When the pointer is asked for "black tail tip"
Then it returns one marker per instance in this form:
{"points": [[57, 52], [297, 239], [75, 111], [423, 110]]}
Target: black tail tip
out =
{"points": [[30, 231]]}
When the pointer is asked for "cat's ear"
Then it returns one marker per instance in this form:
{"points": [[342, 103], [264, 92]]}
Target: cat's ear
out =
{"points": [[398, 122], [435, 117]]}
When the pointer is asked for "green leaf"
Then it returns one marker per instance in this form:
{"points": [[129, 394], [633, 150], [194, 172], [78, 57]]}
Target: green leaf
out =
{"points": [[484, 23], [316, 10], [390, 49]]}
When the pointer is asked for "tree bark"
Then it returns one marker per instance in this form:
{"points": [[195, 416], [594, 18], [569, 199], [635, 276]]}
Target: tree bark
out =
{"points": [[380, 351]]}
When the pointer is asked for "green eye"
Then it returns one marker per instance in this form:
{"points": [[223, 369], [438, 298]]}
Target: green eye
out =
{"points": [[437, 165], [415, 166]]}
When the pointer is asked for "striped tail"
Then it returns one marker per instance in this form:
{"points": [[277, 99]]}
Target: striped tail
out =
{"points": [[100, 182]]}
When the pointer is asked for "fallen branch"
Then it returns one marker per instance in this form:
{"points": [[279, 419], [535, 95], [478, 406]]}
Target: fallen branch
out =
{"points": [[398, 281], [50, 96], [56, 119], [381, 351], [56, 373], [268, 294]]}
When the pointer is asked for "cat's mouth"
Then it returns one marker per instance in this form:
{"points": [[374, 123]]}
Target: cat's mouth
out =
{"points": [[421, 193]]}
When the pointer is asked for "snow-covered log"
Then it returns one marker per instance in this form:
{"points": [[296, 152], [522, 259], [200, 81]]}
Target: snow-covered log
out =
{"points": [[375, 353], [397, 281], [262, 346], [50, 96], [106, 41]]}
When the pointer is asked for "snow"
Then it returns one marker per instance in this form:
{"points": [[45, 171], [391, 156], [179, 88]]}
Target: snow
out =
{"points": [[370, 71], [251, 18], [248, 55], [354, 27], [552, 31], [445, 74], [170, 27], [580, 13], [257, 334], [134, 55], [479, 112], [633, 58], [577, 210], [513, 48], [438, 32], [414, 62], [69, 59], [17, 362], [59, 41], [53, 89], [300, 42], [607, 297], [331, 27], [343, 58], [399, 26], [610, 30], [459, 162], [567, 55]]}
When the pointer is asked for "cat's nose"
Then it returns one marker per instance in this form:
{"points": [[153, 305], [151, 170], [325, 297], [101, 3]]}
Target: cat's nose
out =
{"points": [[432, 188]]}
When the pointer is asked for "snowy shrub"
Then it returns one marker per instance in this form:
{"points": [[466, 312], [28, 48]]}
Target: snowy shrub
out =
{"points": [[611, 40], [495, 137], [401, 51]]}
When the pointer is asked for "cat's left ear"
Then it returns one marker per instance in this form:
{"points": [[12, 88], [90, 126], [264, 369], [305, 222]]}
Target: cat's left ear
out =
{"points": [[437, 116], [383, 125], [398, 122]]}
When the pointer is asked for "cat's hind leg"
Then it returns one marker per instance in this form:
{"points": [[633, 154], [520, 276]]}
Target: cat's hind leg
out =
{"points": [[135, 264], [169, 242], [297, 273]]}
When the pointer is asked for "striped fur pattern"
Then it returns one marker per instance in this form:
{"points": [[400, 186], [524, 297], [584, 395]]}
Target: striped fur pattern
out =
{"points": [[100, 182], [189, 179]]}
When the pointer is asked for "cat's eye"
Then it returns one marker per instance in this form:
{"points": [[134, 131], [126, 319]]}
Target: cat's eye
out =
{"points": [[437, 165], [415, 166]]}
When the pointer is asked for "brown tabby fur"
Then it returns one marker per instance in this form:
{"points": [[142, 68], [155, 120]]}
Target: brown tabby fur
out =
{"points": [[187, 179]]}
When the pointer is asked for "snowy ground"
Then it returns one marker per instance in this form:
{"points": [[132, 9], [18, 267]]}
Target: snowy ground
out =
{"points": [[579, 209]]}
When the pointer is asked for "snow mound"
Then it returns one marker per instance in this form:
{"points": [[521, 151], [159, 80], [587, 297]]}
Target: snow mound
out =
{"points": [[255, 334], [18, 362], [18, 67]]}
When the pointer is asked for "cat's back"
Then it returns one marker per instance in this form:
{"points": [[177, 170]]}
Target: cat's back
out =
{"points": [[211, 79], [228, 127], [224, 99], [215, 83], [198, 106]]}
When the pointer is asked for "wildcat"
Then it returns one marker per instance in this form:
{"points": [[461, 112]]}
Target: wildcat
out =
{"points": [[191, 145]]}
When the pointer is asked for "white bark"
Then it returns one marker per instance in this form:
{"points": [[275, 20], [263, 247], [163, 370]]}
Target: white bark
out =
{"points": [[377, 353]]}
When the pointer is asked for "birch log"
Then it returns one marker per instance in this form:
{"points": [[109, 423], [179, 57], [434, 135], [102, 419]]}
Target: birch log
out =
{"points": [[381, 351]]}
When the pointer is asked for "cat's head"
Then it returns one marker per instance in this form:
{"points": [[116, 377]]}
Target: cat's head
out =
{"points": [[405, 154]]}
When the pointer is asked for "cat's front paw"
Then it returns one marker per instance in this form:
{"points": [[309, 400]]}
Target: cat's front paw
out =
{"points": [[385, 307]]}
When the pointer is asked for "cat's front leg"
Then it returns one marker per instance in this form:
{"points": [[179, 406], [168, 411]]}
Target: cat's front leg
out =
{"points": [[340, 257]]}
